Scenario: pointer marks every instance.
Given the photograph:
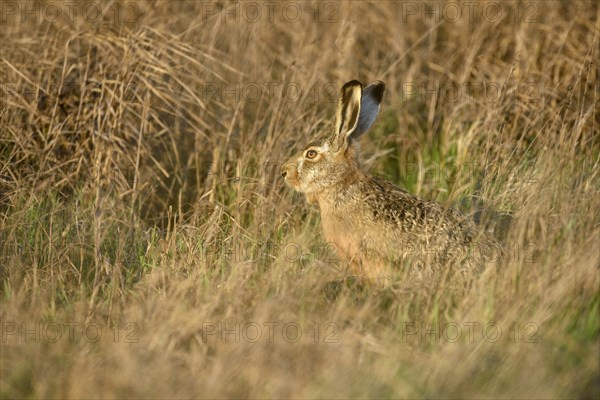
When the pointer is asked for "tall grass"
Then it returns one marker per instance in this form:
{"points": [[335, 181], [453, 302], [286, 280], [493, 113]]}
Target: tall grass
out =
{"points": [[149, 248]]}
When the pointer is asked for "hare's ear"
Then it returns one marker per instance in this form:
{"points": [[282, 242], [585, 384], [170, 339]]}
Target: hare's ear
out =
{"points": [[357, 110], [348, 111], [369, 108]]}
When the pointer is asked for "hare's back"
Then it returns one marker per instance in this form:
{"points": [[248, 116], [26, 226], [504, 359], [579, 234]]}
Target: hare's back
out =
{"points": [[400, 210]]}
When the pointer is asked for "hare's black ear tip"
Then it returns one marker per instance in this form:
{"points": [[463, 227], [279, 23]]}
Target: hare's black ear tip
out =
{"points": [[378, 89], [352, 83]]}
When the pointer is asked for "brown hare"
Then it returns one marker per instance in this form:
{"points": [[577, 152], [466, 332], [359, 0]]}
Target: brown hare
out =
{"points": [[372, 223]]}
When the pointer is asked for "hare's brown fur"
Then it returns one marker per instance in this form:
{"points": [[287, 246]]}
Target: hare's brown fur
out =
{"points": [[371, 222]]}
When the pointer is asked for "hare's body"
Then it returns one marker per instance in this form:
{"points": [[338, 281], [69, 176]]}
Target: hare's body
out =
{"points": [[371, 222], [390, 225]]}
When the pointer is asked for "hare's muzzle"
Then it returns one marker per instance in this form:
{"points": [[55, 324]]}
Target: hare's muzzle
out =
{"points": [[288, 172], [285, 169]]}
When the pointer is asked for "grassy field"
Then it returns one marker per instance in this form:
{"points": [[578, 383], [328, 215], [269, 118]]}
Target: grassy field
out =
{"points": [[149, 247]]}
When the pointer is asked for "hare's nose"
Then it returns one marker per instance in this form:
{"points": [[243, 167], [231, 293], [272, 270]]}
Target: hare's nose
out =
{"points": [[283, 173]]}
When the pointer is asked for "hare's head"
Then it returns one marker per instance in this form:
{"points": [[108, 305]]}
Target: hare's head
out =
{"points": [[332, 162]]}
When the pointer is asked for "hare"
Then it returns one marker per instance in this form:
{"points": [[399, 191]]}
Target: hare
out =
{"points": [[370, 222]]}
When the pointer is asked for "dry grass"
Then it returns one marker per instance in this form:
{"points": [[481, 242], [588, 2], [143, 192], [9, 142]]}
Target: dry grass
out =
{"points": [[140, 197]]}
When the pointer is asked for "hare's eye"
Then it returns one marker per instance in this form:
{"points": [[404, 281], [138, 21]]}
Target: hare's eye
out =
{"points": [[311, 154]]}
